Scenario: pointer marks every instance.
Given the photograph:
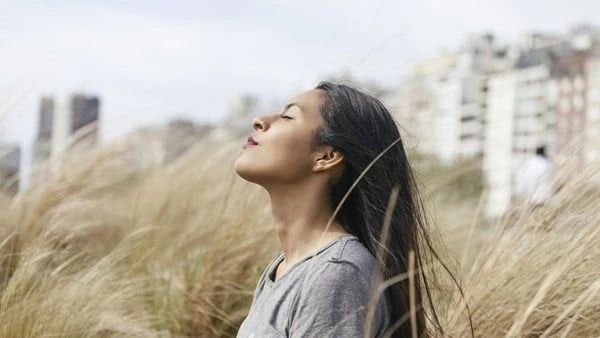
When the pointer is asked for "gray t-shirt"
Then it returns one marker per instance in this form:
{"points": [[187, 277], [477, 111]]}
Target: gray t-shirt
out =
{"points": [[331, 301]]}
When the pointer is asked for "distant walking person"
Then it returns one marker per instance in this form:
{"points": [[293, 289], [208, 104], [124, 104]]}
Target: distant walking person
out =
{"points": [[533, 179]]}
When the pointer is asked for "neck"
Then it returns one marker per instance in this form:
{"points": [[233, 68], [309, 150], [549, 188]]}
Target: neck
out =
{"points": [[300, 215]]}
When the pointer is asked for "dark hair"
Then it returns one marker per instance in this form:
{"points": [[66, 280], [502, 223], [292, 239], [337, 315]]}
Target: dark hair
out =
{"points": [[360, 127]]}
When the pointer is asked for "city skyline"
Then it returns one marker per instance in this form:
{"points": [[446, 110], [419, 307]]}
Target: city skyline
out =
{"points": [[155, 62]]}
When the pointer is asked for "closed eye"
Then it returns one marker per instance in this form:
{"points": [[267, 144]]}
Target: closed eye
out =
{"points": [[286, 117]]}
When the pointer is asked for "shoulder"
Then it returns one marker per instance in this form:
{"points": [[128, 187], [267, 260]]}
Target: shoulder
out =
{"points": [[352, 252], [336, 294], [348, 268], [337, 275]]}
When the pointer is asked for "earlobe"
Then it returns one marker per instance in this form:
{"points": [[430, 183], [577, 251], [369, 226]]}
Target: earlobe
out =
{"points": [[320, 165]]}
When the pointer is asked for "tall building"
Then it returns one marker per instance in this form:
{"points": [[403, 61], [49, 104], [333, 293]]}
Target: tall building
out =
{"points": [[575, 85], [45, 118], [43, 140], [504, 101], [411, 107], [10, 159], [569, 108], [548, 99], [75, 126], [518, 121], [84, 114], [498, 146], [63, 125], [444, 100], [519, 118], [41, 146], [592, 117]]}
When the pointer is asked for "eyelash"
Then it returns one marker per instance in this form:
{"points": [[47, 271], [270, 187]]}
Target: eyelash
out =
{"points": [[283, 116]]}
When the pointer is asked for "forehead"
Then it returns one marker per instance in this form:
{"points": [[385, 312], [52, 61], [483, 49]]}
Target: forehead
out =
{"points": [[310, 101]]}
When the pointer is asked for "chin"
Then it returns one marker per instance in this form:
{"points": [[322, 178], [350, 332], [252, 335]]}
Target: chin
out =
{"points": [[244, 169]]}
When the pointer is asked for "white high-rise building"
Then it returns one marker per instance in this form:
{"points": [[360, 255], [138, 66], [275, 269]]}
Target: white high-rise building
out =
{"points": [[439, 106], [517, 122], [592, 120], [497, 159], [442, 104]]}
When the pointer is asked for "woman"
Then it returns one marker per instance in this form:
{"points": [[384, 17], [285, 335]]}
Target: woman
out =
{"points": [[335, 248]]}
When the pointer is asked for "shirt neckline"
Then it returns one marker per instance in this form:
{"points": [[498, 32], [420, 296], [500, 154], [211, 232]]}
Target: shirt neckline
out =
{"points": [[281, 255]]}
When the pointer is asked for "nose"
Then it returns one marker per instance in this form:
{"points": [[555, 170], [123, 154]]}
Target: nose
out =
{"points": [[257, 123]]}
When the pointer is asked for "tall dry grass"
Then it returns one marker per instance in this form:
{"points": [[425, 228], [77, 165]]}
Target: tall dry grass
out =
{"points": [[104, 249], [537, 272], [163, 251]]}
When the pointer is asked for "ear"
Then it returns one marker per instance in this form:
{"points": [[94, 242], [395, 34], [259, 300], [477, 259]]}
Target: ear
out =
{"points": [[327, 158]]}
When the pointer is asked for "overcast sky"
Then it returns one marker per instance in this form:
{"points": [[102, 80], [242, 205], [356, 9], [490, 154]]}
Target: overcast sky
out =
{"points": [[153, 60]]}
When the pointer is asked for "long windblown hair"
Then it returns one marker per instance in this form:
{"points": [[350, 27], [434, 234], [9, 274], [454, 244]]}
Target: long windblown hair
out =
{"points": [[361, 128]]}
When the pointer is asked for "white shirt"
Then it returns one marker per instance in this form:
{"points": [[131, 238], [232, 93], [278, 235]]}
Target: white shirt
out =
{"points": [[533, 179]]}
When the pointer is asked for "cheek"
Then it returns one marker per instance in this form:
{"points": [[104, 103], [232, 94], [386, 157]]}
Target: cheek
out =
{"points": [[288, 157], [281, 159]]}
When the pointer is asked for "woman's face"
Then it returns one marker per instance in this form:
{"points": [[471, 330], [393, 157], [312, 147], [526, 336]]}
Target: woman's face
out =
{"points": [[283, 153]]}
